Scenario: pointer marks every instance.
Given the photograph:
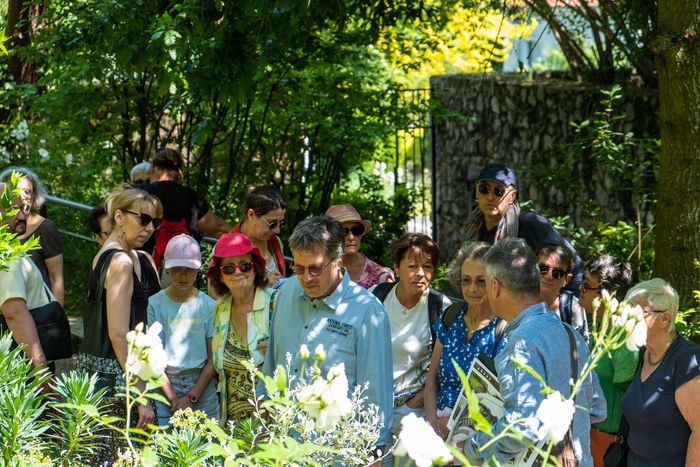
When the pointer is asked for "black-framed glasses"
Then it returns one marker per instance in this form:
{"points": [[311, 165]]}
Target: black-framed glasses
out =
{"points": [[273, 224], [140, 181], [467, 281], [314, 271], [588, 288], [356, 230], [498, 191], [230, 269], [647, 311], [557, 273], [145, 219]]}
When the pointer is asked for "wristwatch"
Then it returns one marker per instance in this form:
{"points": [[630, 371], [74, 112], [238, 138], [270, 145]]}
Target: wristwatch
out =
{"points": [[192, 397]]}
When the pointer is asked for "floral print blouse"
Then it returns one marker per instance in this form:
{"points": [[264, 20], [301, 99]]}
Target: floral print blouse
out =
{"points": [[455, 346]]}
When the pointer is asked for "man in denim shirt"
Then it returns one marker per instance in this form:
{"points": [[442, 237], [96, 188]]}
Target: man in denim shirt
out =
{"points": [[321, 305], [536, 337]]}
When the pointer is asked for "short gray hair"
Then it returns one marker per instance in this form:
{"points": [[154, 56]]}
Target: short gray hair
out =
{"points": [[40, 192], [470, 250], [657, 293], [319, 232], [513, 263]]}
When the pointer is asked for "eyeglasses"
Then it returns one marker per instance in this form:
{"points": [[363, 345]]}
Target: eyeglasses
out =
{"points": [[140, 181], [497, 190], [145, 219], [274, 224], [356, 230], [556, 272], [230, 269], [466, 282], [585, 288], [314, 271], [647, 311]]}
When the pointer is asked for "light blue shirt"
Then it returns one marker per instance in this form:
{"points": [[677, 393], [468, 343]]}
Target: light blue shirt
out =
{"points": [[537, 338], [352, 326], [186, 328]]}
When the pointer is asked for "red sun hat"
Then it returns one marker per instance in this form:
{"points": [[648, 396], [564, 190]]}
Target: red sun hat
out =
{"points": [[234, 244]]}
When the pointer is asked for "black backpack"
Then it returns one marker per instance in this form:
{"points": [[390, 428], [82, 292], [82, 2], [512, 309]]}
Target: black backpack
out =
{"points": [[435, 300], [452, 311]]}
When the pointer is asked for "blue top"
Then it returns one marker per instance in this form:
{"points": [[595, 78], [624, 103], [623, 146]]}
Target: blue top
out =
{"points": [[187, 326], [455, 346], [658, 432], [537, 338], [352, 326]]}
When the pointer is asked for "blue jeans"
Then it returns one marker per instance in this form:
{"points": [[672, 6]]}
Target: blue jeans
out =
{"points": [[208, 401]]}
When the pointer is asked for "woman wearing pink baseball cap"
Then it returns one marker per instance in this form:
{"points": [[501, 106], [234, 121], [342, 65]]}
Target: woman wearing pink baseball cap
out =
{"points": [[241, 320]]}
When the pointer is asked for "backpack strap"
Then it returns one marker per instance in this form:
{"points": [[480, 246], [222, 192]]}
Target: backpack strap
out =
{"points": [[382, 290], [451, 313], [498, 332], [566, 303], [435, 301]]}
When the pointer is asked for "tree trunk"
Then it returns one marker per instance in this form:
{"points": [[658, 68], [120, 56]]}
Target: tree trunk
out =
{"points": [[677, 50], [22, 22]]}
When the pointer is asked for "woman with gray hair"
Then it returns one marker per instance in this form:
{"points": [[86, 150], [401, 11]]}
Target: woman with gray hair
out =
{"points": [[463, 332], [49, 256], [662, 404]]}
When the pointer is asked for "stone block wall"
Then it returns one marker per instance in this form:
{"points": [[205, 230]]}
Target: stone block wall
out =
{"points": [[525, 123]]}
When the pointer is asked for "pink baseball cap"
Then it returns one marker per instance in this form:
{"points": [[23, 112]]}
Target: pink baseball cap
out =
{"points": [[234, 244], [182, 251]]}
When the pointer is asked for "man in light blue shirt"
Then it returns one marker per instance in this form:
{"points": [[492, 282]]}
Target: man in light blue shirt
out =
{"points": [[536, 337], [321, 305]]}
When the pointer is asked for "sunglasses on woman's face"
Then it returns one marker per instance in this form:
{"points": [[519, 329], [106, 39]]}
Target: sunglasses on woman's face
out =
{"points": [[356, 230], [230, 269], [498, 191], [273, 224], [556, 272], [145, 219]]}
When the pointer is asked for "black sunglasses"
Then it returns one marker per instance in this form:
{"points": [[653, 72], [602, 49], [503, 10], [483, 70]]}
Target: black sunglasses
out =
{"points": [[273, 224], [497, 190], [314, 271], [228, 270], [145, 219], [356, 230], [556, 272]]}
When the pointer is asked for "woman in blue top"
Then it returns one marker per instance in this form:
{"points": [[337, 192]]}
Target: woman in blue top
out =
{"points": [[460, 336]]}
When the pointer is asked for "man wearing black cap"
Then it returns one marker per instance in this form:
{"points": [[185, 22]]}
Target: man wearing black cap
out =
{"points": [[499, 216]]}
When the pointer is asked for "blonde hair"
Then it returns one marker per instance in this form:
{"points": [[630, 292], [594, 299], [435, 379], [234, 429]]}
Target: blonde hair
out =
{"points": [[131, 199]]}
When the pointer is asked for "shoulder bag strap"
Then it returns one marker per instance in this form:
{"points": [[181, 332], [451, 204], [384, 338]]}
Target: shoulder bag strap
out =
{"points": [[382, 290]]}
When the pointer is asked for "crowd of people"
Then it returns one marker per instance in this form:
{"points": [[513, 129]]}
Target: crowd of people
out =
{"points": [[526, 299]]}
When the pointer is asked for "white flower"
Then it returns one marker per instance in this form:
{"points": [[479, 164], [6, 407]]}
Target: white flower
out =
{"points": [[555, 414], [420, 442], [320, 353], [304, 352], [632, 319], [69, 158], [146, 358], [326, 401], [44, 154]]}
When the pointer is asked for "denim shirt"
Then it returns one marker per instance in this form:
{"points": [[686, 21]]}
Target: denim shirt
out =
{"points": [[354, 329], [537, 338]]}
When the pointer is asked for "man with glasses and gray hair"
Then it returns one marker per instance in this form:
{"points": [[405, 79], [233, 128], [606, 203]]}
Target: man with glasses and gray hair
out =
{"points": [[540, 340], [322, 305]]}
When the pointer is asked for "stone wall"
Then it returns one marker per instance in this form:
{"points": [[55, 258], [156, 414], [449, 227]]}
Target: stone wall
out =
{"points": [[525, 123]]}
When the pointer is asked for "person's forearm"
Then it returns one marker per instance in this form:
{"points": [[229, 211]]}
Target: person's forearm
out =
{"points": [[204, 379], [23, 328]]}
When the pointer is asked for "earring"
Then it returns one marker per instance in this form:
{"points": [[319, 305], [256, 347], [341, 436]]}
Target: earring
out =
{"points": [[121, 235]]}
